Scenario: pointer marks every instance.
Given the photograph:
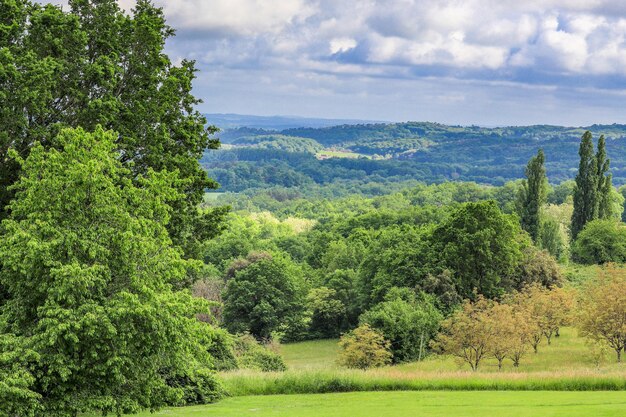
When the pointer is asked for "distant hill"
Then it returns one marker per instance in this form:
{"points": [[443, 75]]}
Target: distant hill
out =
{"points": [[384, 153], [231, 121]]}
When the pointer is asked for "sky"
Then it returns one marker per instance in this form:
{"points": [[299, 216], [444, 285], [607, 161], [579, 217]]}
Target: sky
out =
{"points": [[483, 62]]}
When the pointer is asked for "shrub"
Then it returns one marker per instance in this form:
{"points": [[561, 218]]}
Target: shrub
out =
{"points": [[406, 322], [600, 242], [364, 348], [251, 354]]}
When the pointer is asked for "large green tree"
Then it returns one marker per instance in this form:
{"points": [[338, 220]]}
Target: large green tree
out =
{"points": [[264, 294], [92, 320], [586, 189], [481, 245], [532, 195], [95, 65]]}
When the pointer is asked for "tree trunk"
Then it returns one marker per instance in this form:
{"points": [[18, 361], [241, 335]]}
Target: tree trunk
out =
{"points": [[619, 355]]}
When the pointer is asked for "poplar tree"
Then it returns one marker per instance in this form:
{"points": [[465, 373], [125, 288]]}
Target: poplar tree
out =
{"points": [[605, 181], [586, 188], [532, 195]]}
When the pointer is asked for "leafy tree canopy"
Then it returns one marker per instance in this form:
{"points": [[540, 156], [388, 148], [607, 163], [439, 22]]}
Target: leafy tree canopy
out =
{"points": [[95, 65], [91, 320]]}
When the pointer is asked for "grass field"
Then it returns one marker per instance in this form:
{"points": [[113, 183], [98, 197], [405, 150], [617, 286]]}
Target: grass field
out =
{"points": [[568, 352], [423, 404], [565, 365]]}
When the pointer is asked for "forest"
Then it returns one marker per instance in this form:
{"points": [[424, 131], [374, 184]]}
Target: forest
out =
{"points": [[389, 153], [150, 262]]}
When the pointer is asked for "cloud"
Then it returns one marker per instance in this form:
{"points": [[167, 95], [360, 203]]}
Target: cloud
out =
{"points": [[497, 52]]}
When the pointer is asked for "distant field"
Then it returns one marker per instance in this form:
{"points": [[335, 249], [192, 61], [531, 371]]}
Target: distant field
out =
{"points": [[423, 404], [340, 154], [211, 196]]}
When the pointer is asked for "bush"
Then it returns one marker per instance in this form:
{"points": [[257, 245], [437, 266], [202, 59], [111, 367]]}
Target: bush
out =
{"points": [[406, 322], [251, 354], [600, 242], [364, 348]]}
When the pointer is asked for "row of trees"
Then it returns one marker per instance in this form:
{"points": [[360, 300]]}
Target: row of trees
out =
{"points": [[597, 208], [509, 329], [506, 330]]}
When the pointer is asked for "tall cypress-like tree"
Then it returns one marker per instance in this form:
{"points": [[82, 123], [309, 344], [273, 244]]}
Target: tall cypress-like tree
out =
{"points": [[605, 181], [533, 195], [586, 189]]}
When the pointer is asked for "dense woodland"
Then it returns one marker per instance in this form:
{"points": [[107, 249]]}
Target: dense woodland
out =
{"points": [[126, 285], [389, 153]]}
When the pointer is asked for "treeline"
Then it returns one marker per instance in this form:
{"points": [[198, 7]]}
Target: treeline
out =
{"points": [[433, 152]]}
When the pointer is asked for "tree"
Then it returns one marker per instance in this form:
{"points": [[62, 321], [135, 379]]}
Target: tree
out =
{"points": [[407, 322], [94, 65], [327, 312], [600, 242], [532, 195], [364, 348], [467, 334], [553, 238], [500, 319], [90, 275], [605, 182], [602, 314], [481, 245], [265, 296], [545, 309], [536, 266], [586, 189]]}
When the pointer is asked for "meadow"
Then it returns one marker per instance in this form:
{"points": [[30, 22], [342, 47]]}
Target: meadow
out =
{"points": [[565, 365]]}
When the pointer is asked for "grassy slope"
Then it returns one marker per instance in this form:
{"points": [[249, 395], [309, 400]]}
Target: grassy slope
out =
{"points": [[424, 404], [564, 365], [566, 353]]}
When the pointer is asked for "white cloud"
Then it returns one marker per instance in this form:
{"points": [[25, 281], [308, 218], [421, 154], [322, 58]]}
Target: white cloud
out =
{"points": [[340, 45], [238, 17]]}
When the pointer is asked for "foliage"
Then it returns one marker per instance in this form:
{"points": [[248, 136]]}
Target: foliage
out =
{"points": [[264, 296], [90, 276], [327, 312], [408, 323], [95, 65], [364, 348], [532, 195], [594, 195], [546, 310], [481, 245], [251, 354], [467, 334], [600, 242], [536, 266], [602, 316], [280, 142]]}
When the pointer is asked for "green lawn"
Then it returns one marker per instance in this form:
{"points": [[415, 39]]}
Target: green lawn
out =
{"points": [[423, 404]]}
